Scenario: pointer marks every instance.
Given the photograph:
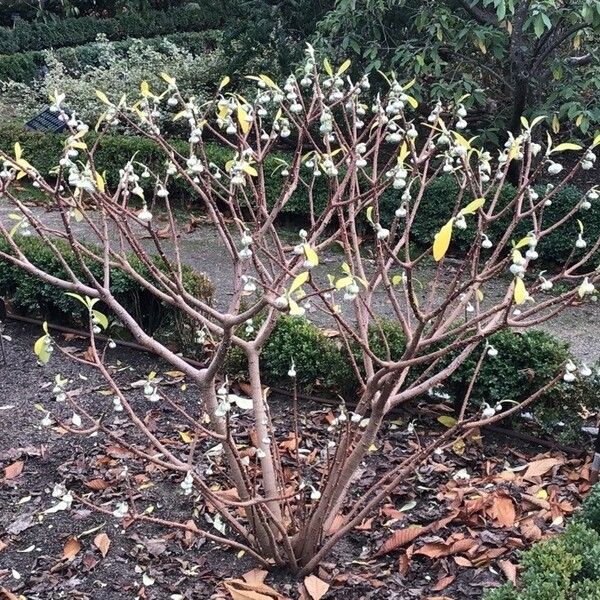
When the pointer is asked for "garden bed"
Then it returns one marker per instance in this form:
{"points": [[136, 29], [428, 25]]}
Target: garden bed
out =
{"points": [[479, 504]]}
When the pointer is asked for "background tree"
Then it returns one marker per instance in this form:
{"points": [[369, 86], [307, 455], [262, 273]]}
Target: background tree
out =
{"points": [[513, 57]]}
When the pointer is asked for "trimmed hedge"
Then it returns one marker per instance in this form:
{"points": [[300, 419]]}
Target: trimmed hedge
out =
{"points": [[566, 567], [24, 67], [81, 30], [31, 296], [525, 362], [114, 151]]}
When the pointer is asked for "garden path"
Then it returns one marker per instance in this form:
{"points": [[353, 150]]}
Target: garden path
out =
{"points": [[202, 249]]}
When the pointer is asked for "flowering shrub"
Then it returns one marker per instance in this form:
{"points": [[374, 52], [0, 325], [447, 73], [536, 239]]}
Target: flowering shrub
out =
{"points": [[114, 70], [349, 276]]}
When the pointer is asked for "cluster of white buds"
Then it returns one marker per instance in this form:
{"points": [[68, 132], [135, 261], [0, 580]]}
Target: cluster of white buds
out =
{"points": [[586, 288], [187, 484], [484, 167], [200, 336], [292, 370], [381, 232], [194, 165], [588, 161], [81, 179], [399, 175], [144, 215], [249, 284], [121, 511], [326, 122], [532, 253], [517, 267], [554, 168], [223, 406], [112, 344], [461, 113], [491, 351], [486, 242], [47, 420], [488, 411], [334, 85], [246, 241], [580, 242], [59, 388], [545, 284], [460, 222], [570, 369], [402, 210], [249, 329], [435, 113], [151, 391], [291, 94], [282, 127]]}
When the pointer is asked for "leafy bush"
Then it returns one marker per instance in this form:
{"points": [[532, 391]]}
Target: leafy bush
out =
{"points": [[566, 567], [116, 68], [76, 31], [24, 67], [318, 360], [28, 295], [439, 200]]}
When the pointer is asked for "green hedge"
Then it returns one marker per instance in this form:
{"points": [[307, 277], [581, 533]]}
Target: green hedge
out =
{"points": [[23, 67], [114, 151], [525, 362], [566, 567], [77, 31], [30, 296]]}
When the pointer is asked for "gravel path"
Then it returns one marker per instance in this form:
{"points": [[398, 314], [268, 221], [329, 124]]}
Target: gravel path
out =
{"points": [[202, 249]]}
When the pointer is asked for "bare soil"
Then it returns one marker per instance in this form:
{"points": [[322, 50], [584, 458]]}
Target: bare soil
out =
{"points": [[158, 564]]}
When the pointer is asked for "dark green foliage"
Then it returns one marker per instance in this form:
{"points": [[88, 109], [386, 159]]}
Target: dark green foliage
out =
{"points": [[318, 359], [566, 567], [77, 31], [33, 297], [590, 509]]}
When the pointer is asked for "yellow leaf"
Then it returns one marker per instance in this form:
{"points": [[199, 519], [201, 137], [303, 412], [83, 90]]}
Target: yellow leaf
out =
{"points": [[224, 82], [479, 294], [299, 281], [295, 309], [250, 170], [168, 78], [555, 124], [40, 350], [522, 242], [596, 141], [442, 239], [145, 89], [103, 98], [311, 255], [100, 182], [269, 82], [412, 101], [327, 66], [404, 152], [101, 318], [242, 116], [520, 293], [566, 146], [472, 207], [345, 66], [18, 151], [370, 214], [447, 421], [343, 282], [186, 437]]}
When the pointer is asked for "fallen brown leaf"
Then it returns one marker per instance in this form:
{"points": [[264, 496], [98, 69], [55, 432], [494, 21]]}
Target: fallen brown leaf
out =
{"points": [[71, 548], [315, 587], [401, 538], [102, 542], [443, 583], [13, 470], [540, 467], [509, 570]]}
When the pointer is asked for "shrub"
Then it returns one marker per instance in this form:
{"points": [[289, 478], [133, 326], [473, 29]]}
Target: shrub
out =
{"points": [[76, 31], [33, 297], [566, 567], [23, 67]]}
